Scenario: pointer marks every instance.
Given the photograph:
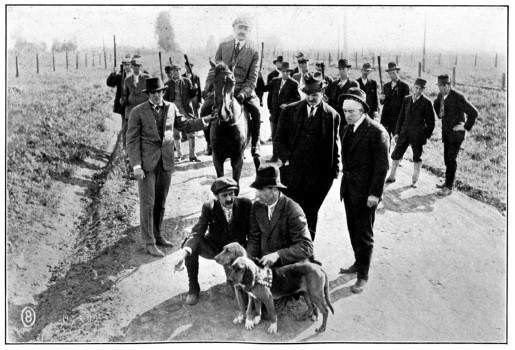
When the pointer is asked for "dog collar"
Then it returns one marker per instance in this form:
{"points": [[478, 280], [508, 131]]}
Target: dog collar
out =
{"points": [[264, 276]]}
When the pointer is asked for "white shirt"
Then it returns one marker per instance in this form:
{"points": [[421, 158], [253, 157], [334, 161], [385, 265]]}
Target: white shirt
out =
{"points": [[393, 84], [242, 43], [365, 81], [314, 111], [358, 123], [343, 82], [227, 213], [271, 208], [136, 79]]}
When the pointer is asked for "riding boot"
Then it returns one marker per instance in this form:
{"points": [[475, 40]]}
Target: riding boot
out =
{"points": [[416, 173], [395, 165], [255, 133], [207, 137]]}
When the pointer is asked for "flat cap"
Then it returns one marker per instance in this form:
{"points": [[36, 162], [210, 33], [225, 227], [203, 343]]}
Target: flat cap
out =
{"points": [[222, 184]]}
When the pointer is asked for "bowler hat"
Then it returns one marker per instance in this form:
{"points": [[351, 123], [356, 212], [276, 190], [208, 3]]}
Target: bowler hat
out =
{"points": [[420, 82], [299, 55], [367, 67], [303, 59], [343, 63], [355, 94], [242, 20], [127, 58], [267, 176], [392, 66], [136, 60], [286, 66], [313, 82], [279, 59], [154, 84], [223, 183], [443, 79]]}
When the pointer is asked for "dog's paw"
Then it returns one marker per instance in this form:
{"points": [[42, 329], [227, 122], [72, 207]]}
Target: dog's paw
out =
{"points": [[320, 329], [273, 328], [256, 320], [314, 317], [249, 324], [238, 319]]}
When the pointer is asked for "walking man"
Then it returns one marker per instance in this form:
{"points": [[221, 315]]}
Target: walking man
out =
{"points": [[392, 97], [370, 87], [340, 87]]}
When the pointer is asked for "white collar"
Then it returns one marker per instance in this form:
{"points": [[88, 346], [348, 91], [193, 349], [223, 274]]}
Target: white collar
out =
{"points": [[272, 206], [242, 43], [358, 123]]}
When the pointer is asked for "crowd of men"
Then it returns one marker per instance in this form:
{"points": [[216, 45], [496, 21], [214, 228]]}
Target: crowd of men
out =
{"points": [[320, 127]]}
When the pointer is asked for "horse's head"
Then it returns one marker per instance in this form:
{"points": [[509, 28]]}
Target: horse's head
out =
{"points": [[224, 91]]}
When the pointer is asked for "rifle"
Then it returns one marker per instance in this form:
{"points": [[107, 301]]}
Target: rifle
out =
{"points": [[170, 59], [114, 39], [322, 65], [260, 84], [261, 58], [380, 73], [161, 66]]}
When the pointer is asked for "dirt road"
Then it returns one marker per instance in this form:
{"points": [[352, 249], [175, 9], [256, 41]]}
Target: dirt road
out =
{"points": [[438, 275]]}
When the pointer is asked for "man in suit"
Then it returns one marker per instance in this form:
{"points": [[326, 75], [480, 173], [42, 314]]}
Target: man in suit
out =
{"points": [[302, 69], [414, 127], [180, 91], [116, 80], [195, 80], [370, 88], [240, 56], [321, 67], [340, 86], [284, 90], [274, 74], [134, 85], [306, 142], [224, 220], [392, 98], [279, 233], [458, 116], [150, 149], [297, 69], [364, 164]]}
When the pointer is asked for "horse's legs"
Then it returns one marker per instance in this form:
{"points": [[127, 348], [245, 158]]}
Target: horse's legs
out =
{"points": [[237, 165], [219, 166]]}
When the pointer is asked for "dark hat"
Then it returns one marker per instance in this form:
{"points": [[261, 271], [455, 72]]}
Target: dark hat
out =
{"points": [[136, 60], [127, 58], [279, 59], [242, 20], [172, 67], [299, 55], [154, 84], [443, 79], [392, 66], [367, 66], [421, 82], [267, 176], [320, 63], [303, 59], [313, 82], [355, 94], [286, 66], [222, 184], [343, 63]]}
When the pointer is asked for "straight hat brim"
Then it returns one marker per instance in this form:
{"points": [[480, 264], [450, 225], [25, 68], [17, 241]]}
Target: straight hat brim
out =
{"points": [[312, 91], [163, 88], [389, 70], [261, 184]]}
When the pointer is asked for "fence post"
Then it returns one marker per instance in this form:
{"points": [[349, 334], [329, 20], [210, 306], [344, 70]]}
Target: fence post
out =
{"points": [[53, 60], [37, 63], [99, 59], [105, 60], [329, 60], [397, 59], [503, 81], [66, 59], [454, 75], [439, 58], [475, 60], [76, 60], [495, 60], [318, 56], [86, 60], [456, 61], [93, 60], [356, 57], [424, 63], [17, 72], [420, 69]]}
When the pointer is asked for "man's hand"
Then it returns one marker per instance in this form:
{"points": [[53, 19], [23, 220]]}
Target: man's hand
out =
{"points": [[381, 98], [122, 100], [283, 105], [139, 174], [459, 127], [372, 201], [177, 259], [114, 70], [194, 87], [395, 138], [376, 115], [208, 118], [269, 259], [240, 98]]}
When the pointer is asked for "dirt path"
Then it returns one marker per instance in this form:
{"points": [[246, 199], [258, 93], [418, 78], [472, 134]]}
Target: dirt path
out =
{"points": [[438, 274]]}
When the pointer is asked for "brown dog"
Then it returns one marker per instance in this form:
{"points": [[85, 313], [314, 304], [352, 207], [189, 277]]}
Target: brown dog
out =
{"points": [[303, 277]]}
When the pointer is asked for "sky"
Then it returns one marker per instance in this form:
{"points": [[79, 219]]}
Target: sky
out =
{"points": [[455, 29]]}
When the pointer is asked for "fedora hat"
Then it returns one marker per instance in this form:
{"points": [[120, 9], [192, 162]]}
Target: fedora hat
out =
{"points": [[313, 82], [443, 80], [343, 63], [137, 61], [154, 84], [267, 176], [242, 20], [355, 94], [420, 82], [279, 59], [286, 66], [392, 66], [223, 183], [172, 67], [127, 58], [367, 67], [299, 55], [302, 59]]}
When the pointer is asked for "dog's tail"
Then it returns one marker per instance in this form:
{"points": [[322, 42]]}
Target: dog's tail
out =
{"points": [[326, 293]]}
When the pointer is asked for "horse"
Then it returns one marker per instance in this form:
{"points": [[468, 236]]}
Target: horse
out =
{"points": [[230, 131]]}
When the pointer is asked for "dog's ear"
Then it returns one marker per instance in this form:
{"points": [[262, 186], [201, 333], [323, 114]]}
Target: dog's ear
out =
{"points": [[248, 277]]}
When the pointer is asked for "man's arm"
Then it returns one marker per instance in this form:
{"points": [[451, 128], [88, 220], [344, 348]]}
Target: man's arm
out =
{"points": [[375, 100], [282, 139], [470, 111], [429, 117], [379, 142], [113, 80], [211, 73], [295, 95], [190, 88], [254, 238], [199, 230], [302, 245], [134, 138], [401, 118], [250, 83]]}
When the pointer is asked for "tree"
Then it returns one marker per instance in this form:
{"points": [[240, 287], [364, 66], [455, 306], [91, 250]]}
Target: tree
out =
{"points": [[66, 45], [165, 34], [22, 45]]}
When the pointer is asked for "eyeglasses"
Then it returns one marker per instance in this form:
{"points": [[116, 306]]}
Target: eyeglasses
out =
{"points": [[348, 111]]}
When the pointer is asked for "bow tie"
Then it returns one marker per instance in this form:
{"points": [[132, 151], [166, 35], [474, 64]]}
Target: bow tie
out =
{"points": [[157, 108]]}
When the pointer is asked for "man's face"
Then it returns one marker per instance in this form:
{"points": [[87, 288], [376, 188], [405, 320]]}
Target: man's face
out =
{"points": [[267, 195], [318, 68], [135, 68], [285, 73], [241, 32], [175, 74], [315, 98], [303, 66], [365, 73], [226, 198], [394, 75], [444, 88], [344, 72], [353, 111], [278, 65], [156, 97], [417, 90], [127, 68]]}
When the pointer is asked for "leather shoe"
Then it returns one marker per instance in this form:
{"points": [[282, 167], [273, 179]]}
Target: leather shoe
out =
{"points": [[440, 186], [390, 180], [163, 242], [195, 159], [444, 192], [350, 269], [153, 250], [209, 151], [359, 286], [192, 299]]}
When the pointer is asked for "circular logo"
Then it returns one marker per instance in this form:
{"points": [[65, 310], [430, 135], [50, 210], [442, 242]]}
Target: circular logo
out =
{"points": [[28, 316]]}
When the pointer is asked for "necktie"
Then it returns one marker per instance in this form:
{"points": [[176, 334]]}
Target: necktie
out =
{"points": [[282, 84], [312, 112], [442, 108], [237, 50], [351, 130], [270, 212]]}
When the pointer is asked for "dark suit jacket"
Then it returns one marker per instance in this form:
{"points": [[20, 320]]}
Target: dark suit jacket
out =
{"points": [[133, 94], [416, 120], [195, 80], [286, 139], [245, 66], [272, 75], [334, 91], [366, 165], [393, 102], [288, 94], [456, 106], [115, 80], [287, 233], [187, 93], [144, 146], [294, 71], [213, 226], [371, 91]]}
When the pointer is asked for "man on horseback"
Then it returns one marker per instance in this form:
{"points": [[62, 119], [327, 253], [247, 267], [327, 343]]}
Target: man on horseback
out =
{"points": [[243, 59]]}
